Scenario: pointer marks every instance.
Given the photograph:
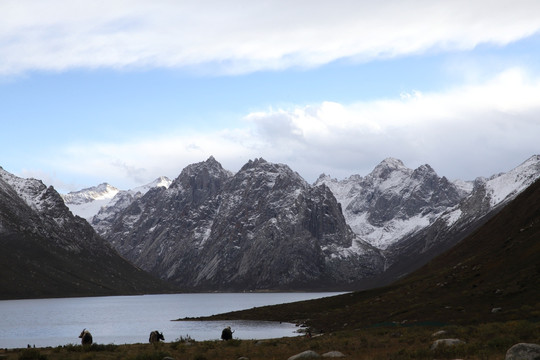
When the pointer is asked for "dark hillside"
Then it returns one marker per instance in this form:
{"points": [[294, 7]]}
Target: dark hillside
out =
{"points": [[48, 252], [32, 269], [492, 275]]}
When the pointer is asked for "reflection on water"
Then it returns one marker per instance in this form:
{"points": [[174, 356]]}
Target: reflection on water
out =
{"points": [[130, 319]]}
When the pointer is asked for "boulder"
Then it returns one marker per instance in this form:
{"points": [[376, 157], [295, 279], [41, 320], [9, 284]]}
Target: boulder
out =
{"points": [[438, 333], [523, 351], [333, 354], [446, 342], [308, 354]]}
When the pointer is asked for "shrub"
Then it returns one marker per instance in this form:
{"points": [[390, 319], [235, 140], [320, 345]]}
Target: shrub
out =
{"points": [[31, 354], [186, 339], [233, 342], [100, 347], [158, 355]]}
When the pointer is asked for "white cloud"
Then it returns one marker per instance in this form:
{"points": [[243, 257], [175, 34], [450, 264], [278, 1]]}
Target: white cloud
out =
{"points": [[452, 130], [141, 160], [468, 131], [242, 36]]}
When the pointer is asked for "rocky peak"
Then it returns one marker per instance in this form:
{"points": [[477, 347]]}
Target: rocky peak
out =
{"points": [[47, 216], [33, 192], [202, 180], [424, 171], [160, 182], [387, 167], [207, 169], [259, 174], [393, 200], [323, 177], [253, 163]]}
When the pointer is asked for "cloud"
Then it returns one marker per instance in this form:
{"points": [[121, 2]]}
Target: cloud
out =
{"points": [[243, 36], [141, 160], [452, 130], [468, 131]]}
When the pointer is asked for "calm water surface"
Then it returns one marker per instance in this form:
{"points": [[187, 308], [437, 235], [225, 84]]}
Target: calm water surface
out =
{"points": [[129, 319]]}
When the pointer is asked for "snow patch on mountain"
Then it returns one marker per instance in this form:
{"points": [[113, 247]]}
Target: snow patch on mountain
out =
{"points": [[464, 187], [358, 247], [506, 186], [383, 236], [452, 216]]}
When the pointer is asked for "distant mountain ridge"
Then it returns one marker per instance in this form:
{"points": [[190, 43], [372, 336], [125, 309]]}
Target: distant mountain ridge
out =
{"points": [[88, 202], [372, 228]]}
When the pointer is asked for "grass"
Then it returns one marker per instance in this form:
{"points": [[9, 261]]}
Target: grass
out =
{"points": [[488, 341]]}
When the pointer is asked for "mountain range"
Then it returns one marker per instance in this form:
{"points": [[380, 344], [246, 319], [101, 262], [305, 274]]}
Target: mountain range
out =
{"points": [[266, 228], [491, 276]]}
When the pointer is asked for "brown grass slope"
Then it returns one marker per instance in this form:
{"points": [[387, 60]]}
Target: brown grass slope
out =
{"points": [[498, 266]]}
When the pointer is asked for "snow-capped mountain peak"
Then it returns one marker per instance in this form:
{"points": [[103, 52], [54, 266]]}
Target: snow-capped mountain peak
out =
{"points": [[103, 191], [389, 163], [32, 191], [392, 200], [89, 202], [161, 181]]}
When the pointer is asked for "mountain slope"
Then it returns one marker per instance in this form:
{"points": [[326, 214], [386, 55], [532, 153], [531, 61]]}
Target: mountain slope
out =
{"points": [[48, 252], [487, 197], [496, 267]]}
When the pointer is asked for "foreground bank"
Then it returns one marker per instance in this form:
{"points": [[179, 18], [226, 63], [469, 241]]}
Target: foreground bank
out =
{"points": [[483, 341]]}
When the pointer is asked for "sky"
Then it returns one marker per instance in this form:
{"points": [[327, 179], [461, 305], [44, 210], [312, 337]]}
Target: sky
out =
{"points": [[125, 91]]}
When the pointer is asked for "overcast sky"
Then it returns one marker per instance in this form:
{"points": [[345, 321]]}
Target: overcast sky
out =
{"points": [[125, 91]]}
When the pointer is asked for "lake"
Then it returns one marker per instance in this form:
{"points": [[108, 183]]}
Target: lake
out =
{"points": [[130, 319]]}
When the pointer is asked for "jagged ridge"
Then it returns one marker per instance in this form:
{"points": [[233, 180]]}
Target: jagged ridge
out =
{"points": [[216, 230], [261, 228]]}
